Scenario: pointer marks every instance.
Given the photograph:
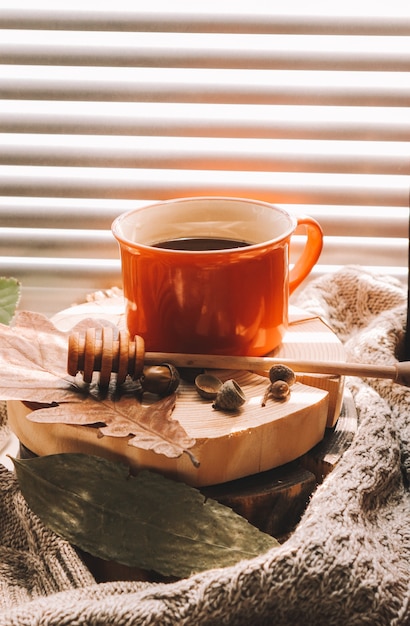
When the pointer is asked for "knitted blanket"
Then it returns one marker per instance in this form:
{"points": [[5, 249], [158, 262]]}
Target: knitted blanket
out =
{"points": [[347, 562]]}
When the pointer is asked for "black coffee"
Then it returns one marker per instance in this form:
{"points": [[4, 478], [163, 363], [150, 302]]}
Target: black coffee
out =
{"points": [[201, 244]]}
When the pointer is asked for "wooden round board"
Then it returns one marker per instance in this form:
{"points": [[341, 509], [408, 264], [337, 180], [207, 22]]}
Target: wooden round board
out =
{"points": [[228, 446]]}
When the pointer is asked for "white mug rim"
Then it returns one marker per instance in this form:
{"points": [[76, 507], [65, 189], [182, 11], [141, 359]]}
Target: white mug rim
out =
{"points": [[130, 243]]}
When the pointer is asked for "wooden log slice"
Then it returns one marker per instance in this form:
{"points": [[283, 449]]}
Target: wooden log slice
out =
{"points": [[228, 445]]}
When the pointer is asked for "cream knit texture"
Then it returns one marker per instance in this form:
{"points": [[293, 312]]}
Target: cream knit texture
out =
{"points": [[346, 564]]}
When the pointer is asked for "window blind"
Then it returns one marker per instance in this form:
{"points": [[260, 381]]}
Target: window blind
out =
{"points": [[103, 109]]}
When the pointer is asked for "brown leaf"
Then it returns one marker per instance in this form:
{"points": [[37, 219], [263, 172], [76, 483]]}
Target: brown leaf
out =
{"points": [[150, 426], [33, 355], [33, 361]]}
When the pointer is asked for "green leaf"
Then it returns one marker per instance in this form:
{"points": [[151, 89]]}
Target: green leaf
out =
{"points": [[147, 521], [9, 297]]}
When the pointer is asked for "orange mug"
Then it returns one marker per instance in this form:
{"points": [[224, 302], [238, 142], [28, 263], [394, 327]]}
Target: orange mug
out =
{"points": [[211, 275]]}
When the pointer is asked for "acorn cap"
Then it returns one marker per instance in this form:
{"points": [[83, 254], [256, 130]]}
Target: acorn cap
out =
{"points": [[230, 397], [208, 386], [282, 372]]}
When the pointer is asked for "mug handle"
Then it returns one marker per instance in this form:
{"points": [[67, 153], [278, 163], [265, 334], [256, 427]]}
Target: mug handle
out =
{"points": [[310, 254]]}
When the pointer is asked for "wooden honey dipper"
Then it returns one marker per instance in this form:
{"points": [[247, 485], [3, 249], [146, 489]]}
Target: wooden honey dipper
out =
{"points": [[104, 353]]}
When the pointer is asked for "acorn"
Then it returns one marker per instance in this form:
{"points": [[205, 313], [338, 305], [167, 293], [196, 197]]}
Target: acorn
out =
{"points": [[161, 380], [208, 386], [230, 397], [279, 390], [282, 378], [282, 372]]}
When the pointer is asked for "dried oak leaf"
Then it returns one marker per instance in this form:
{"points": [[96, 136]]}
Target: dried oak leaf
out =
{"points": [[33, 362], [151, 426]]}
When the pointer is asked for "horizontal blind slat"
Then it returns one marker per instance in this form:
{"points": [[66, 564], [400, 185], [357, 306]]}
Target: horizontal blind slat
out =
{"points": [[214, 16], [216, 120], [214, 86], [51, 273], [84, 213], [357, 221], [57, 212], [69, 245], [386, 252], [126, 183], [205, 50], [206, 153]]}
